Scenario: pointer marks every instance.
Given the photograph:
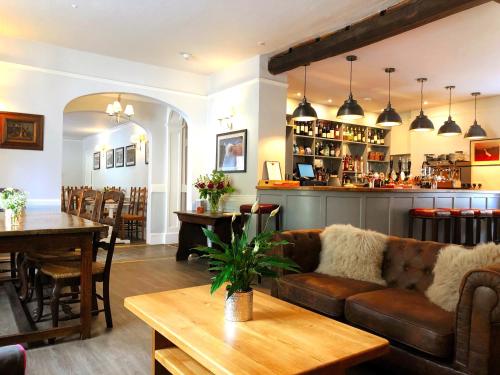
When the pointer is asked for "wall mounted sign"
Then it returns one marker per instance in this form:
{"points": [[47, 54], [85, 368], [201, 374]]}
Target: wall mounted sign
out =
{"points": [[110, 158], [485, 152], [231, 152], [119, 157], [97, 160], [273, 170], [130, 156], [21, 131]]}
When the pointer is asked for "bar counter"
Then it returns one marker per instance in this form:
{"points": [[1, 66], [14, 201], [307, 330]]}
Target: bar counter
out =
{"points": [[382, 209]]}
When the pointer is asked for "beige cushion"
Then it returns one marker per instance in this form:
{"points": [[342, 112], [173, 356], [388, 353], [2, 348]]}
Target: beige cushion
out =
{"points": [[351, 252], [452, 265]]}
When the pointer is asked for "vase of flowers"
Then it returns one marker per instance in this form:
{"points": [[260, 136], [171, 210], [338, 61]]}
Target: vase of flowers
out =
{"points": [[239, 263], [13, 201], [212, 187]]}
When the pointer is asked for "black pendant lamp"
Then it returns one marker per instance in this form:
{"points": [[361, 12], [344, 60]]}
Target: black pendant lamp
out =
{"points": [[305, 111], [350, 110], [421, 122], [389, 117], [450, 127], [475, 131]]}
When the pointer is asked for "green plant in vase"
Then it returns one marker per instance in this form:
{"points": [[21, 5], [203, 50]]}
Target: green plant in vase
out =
{"points": [[239, 263], [213, 187], [13, 201]]}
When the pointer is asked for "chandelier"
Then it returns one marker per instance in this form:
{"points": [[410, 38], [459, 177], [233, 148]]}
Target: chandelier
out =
{"points": [[115, 109]]}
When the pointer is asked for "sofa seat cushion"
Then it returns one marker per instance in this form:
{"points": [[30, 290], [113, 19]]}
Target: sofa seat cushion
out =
{"points": [[405, 316], [322, 293]]}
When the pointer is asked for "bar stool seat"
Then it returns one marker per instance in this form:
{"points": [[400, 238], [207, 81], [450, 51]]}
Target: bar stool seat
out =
{"points": [[435, 216], [472, 218], [263, 209]]}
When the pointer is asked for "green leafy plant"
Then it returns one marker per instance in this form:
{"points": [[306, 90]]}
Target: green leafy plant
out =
{"points": [[241, 261], [13, 199]]}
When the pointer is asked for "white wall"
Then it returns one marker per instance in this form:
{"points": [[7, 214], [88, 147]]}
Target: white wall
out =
{"points": [[418, 144], [73, 163], [125, 177]]}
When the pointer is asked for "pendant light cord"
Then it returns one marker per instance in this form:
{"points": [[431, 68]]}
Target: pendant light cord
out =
{"points": [[389, 89], [305, 80], [350, 81], [449, 105], [475, 108], [422, 95]]}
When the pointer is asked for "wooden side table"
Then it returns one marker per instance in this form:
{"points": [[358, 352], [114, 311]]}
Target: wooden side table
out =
{"points": [[191, 234]]}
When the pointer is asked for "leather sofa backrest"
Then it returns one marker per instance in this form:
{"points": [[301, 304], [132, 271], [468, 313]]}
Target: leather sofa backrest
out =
{"points": [[309, 243], [408, 263]]}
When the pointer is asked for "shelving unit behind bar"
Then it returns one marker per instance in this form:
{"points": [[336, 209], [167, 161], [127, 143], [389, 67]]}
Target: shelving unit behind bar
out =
{"points": [[375, 156]]}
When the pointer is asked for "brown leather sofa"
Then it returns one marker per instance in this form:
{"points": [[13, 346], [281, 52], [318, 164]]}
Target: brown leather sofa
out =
{"points": [[425, 339]]}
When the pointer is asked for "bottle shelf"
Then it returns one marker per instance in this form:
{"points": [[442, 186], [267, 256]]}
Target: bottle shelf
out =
{"points": [[378, 161], [303, 136], [355, 143], [329, 139], [328, 157], [350, 172], [375, 145], [305, 156]]}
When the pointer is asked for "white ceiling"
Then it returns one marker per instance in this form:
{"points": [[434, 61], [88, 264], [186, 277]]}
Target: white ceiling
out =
{"points": [[461, 50], [78, 125], [217, 32]]}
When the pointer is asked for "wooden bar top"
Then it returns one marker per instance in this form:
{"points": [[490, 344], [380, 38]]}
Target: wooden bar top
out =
{"points": [[375, 190], [39, 223]]}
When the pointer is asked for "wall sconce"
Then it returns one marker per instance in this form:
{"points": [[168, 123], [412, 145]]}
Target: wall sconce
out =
{"points": [[227, 120], [139, 140]]}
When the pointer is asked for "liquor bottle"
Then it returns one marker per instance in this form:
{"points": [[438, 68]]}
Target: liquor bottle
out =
{"points": [[296, 128], [363, 136], [310, 130], [326, 150], [375, 138], [382, 139], [332, 149], [332, 132], [337, 131], [323, 131]]}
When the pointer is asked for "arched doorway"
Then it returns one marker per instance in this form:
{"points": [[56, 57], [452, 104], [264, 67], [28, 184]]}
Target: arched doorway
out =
{"points": [[102, 140]]}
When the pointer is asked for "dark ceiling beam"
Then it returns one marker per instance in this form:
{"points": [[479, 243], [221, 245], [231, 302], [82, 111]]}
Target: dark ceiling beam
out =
{"points": [[404, 16]]}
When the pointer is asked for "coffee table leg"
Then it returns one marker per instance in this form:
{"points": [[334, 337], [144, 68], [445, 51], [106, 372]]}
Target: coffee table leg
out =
{"points": [[158, 342], [86, 286]]}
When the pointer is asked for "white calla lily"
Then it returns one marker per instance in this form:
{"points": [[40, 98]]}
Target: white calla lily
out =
{"points": [[274, 212], [255, 207]]}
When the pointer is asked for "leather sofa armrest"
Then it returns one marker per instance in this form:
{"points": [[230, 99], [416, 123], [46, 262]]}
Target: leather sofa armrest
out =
{"points": [[477, 328], [304, 248], [12, 360]]}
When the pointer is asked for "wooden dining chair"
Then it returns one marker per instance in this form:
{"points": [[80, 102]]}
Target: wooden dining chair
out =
{"points": [[136, 220], [74, 201], [62, 274]]}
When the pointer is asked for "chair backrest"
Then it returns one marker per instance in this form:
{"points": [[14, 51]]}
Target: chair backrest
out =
{"points": [[133, 200], [142, 201], [116, 197], [90, 205], [74, 202], [63, 199]]}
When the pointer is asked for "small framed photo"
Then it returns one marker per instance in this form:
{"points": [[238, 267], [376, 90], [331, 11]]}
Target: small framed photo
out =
{"points": [[97, 160], [119, 159], [146, 152], [110, 158], [231, 152], [273, 170], [21, 131], [130, 155], [485, 152]]}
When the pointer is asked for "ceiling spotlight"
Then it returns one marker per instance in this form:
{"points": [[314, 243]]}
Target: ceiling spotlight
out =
{"points": [[298, 94], [368, 99], [426, 102], [186, 55], [261, 43], [329, 100], [74, 6]]}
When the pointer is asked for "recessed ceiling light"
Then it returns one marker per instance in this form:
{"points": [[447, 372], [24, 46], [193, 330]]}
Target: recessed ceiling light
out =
{"points": [[74, 6], [261, 43], [426, 102], [368, 99], [329, 100], [298, 94], [186, 55]]}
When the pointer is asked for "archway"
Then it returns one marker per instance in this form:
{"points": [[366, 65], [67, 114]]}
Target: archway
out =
{"points": [[155, 135]]}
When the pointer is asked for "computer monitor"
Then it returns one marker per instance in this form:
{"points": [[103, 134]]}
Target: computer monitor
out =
{"points": [[305, 170]]}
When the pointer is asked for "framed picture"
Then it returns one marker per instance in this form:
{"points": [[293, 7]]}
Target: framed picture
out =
{"points": [[146, 152], [485, 152], [231, 152], [97, 160], [21, 131], [110, 158], [130, 156], [119, 159]]}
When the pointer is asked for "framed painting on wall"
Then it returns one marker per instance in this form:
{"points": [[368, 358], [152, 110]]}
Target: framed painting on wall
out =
{"points": [[21, 131], [110, 158], [119, 159], [485, 152], [130, 156], [231, 152], [97, 160]]}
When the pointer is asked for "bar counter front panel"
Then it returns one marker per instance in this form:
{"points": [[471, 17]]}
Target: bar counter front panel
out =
{"points": [[382, 210]]}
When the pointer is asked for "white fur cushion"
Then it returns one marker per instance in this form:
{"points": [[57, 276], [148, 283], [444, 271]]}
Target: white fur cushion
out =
{"points": [[351, 252], [452, 264]]}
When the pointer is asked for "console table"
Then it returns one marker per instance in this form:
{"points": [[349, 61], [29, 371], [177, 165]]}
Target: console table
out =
{"points": [[191, 234]]}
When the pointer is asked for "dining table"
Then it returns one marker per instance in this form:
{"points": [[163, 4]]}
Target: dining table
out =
{"points": [[39, 232]]}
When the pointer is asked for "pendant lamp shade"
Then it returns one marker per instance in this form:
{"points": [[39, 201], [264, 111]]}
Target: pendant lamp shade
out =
{"points": [[305, 111], [475, 131], [450, 128], [350, 110], [421, 122], [389, 117]]}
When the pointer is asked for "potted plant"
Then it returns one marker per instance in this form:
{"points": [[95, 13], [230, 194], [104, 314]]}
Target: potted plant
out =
{"points": [[213, 187], [13, 201], [238, 264]]}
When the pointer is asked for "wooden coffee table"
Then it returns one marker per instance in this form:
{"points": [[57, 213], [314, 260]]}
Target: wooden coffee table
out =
{"points": [[190, 336]]}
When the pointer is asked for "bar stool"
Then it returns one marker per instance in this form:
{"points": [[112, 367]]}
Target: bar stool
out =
{"points": [[434, 215], [496, 226], [485, 216], [469, 216], [264, 209]]}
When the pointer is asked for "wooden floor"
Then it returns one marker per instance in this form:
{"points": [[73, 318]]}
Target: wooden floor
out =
{"points": [[125, 349]]}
